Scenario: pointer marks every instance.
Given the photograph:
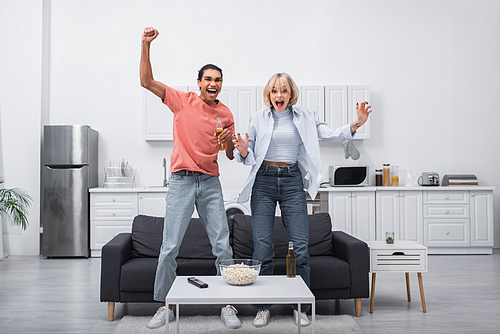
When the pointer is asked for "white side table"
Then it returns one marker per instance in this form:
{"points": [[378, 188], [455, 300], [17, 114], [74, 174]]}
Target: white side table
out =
{"points": [[402, 256]]}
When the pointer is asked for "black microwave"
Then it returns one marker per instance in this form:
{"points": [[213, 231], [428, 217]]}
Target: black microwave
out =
{"points": [[342, 176]]}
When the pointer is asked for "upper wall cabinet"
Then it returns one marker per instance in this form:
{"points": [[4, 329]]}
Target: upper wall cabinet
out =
{"points": [[340, 107], [335, 105], [157, 118]]}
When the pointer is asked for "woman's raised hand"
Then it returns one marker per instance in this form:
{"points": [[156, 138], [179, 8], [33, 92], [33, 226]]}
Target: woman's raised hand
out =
{"points": [[241, 144]]}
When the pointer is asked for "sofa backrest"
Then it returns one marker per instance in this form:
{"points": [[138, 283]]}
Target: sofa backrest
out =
{"points": [[320, 236], [147, 237]]}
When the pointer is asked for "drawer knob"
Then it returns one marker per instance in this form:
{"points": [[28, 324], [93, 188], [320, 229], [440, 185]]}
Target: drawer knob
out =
{"points": [[447, 232], [472, 194], [114, 199], [446, 197], [114, 214], [447, 211]]}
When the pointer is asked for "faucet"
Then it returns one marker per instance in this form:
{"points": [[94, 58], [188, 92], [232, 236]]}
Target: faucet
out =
{"points": [[165, 181]]}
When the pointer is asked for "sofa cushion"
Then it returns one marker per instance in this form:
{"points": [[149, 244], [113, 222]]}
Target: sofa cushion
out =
{"points": [[327, 272], [196, 244], [320, 236], [147, 236]]}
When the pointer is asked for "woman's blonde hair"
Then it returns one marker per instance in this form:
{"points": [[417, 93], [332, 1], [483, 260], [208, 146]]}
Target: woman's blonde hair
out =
{"points": [[289, 84]]}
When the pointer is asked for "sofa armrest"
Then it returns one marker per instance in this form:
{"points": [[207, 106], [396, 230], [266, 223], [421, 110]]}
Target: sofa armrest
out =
{"points": [[355, 252], [113, 255]]}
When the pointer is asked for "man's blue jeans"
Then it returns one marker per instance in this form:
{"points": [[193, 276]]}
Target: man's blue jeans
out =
{"points": [[281, 185], [184, 192]]}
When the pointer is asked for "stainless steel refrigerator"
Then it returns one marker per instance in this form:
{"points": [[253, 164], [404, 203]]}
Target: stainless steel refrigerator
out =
{"points": [[69, 169]]}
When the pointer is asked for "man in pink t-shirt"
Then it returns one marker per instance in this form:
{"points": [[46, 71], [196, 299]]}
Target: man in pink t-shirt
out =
{"points": [[194, 171]]}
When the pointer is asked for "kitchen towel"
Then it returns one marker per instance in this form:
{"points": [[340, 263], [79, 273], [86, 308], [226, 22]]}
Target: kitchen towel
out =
{"points": [[350, 150]]}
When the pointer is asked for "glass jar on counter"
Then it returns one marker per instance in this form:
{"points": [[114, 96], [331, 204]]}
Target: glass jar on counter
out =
{"points": [[394, 176], [378, 178], [387, 175]]}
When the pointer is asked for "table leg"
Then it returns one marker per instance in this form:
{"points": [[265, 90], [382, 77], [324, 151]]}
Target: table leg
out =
{"points": [[166, 322], [177, 315], [298, 314], [372, 293], [314, 317], [421, 286], [408, 286]]}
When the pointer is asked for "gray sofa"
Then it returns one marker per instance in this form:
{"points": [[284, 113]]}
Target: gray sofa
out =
{"points": [[339, 262]]}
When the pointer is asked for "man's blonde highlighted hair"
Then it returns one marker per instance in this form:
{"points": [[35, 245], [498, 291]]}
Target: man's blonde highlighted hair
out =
{"points": [[285, 79]]}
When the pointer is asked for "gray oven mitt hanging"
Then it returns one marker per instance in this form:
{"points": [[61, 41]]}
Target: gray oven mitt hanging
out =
{"points": [[350, 150]]}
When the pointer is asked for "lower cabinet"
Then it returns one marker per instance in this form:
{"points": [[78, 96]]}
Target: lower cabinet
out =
{"points": [[353, 212], [112, 213], [400, 212], [457, 219]]}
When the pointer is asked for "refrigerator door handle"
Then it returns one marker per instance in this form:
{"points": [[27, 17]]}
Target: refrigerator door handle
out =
{"points": [[69, 167]]}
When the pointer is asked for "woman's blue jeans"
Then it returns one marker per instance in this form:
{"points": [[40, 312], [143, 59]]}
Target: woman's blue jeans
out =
{"points": [[281, 185]]}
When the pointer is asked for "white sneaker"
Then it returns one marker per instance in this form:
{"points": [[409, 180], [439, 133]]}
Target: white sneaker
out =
{"points": [[261, 319], [158, 319], [304, 320], [228, 315]]}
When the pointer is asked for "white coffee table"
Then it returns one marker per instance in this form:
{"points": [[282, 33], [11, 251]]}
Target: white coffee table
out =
{"points": [[265, 290], [403, 256]]}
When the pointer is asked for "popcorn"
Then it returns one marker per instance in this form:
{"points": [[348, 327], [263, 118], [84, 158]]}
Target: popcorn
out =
{"points": [[239, 274]]}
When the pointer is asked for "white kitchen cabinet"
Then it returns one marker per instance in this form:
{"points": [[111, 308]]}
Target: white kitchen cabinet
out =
{"points": [[313, 97], [481, 218], [456, 219], [112, 211], [353, 212], [358, 94], [157, 118], [340, 107], [244, 99], [400, 212], [335, 105], [152, 204]]}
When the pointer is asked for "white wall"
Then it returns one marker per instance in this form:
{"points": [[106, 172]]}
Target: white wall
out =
{"points": [[20, 84], [432, 67]]}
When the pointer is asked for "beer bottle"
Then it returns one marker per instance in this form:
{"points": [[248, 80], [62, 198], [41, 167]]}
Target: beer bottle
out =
{"points": [[290, 261]]}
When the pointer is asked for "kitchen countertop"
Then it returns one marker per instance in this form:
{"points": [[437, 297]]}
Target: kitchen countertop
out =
{"points": [[160, 189], [154, 189], [418, 188]]}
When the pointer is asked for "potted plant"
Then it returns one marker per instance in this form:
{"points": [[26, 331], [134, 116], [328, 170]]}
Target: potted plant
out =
{"points": [[15, 203], [389, 237]]}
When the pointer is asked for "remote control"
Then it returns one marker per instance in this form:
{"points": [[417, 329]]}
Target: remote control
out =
{"points": [[197, 282]]}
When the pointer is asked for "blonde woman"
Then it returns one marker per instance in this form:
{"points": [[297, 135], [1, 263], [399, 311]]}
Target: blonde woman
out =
{"points": [[283, 149]]}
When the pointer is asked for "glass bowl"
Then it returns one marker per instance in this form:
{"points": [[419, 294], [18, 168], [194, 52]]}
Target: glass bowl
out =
{"points": [[240, 271]]}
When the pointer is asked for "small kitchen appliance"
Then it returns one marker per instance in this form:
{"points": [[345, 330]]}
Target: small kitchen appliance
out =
{"points": [[459, 180], [429, 179], [342, 176]]}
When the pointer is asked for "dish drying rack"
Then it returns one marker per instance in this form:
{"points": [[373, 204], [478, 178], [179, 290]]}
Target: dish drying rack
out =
{"points": [[119, 177]]}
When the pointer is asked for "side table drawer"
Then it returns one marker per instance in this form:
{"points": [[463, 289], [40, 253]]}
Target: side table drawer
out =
{"points": [[446, 211], [398, 260]]}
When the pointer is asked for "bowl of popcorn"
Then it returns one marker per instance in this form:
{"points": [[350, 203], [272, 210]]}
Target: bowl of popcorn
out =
{"points": [[240, 271]]}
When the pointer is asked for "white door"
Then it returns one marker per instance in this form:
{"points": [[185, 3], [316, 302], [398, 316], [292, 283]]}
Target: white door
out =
{"points": [[387, 208], [339, 207], [152, 204], [481, 218], [358, 94], [363, 215], [411, 221]]}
